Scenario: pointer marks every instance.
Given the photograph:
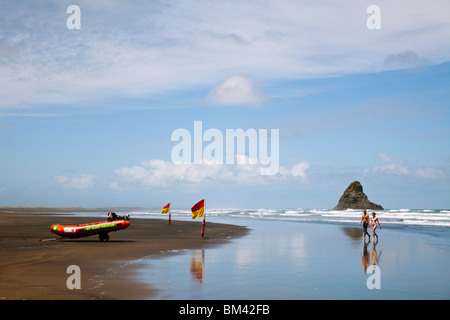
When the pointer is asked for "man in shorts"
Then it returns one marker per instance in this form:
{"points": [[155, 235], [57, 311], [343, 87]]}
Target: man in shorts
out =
{"points": [[365, 220]]}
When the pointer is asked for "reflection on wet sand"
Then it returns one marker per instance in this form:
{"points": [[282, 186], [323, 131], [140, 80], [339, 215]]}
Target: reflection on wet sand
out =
{"points": [[197, 264], [367, 258], [354, 234]]}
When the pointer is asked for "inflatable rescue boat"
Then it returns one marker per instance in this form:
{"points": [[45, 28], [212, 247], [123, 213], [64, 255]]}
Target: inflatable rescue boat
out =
{"points": [[89, 229]]}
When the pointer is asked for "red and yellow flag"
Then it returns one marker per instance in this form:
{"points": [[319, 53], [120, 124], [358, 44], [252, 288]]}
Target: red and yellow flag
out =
{"points": [[198, 209], [166, 208]]}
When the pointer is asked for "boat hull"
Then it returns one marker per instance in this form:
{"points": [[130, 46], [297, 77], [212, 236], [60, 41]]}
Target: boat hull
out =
{"points": [[89, 229]]}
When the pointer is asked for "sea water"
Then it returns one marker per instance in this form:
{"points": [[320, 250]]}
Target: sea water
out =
{"points": [[397, 217], [391, 217]]}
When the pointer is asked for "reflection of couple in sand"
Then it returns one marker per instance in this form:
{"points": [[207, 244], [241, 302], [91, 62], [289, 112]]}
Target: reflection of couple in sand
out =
{"points": [[365, 220], [370, 259]]}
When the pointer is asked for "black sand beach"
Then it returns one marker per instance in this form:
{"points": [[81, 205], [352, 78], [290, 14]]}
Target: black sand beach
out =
{"points": [[34, 261], [257, 260]]}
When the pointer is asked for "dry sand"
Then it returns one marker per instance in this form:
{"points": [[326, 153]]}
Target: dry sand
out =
{"points": [[34, 261]]}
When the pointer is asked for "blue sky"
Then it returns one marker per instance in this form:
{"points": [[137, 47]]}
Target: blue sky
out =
{"points": [[86, 116]]}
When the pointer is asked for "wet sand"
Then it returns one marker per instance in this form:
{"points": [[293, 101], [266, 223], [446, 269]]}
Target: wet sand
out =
{"points": [[282, 261], [34, 261]]}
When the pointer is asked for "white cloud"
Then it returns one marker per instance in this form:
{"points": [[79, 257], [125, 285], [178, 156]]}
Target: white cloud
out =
{"points": [[299, 169], [236, 90], [115, 186], [85, 181], [429, 173], [160, 173], [396, 166], [390, 165]]}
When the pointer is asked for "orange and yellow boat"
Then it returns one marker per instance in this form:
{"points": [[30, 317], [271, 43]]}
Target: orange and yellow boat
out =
{"points": [[89, 229]]}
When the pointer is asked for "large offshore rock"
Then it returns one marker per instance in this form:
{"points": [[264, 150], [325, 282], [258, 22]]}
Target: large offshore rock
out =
{"points": [[355, 198]]}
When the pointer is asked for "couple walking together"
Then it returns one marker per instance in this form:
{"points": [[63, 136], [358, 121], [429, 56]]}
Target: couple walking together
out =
{"points": [[365, 220]]}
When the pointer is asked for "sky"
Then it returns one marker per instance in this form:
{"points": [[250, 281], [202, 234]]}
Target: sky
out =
{"points": [[90, 98]]}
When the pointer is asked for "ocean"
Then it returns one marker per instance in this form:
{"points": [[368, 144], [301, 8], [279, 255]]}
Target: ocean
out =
{"points": [[391, 217]]}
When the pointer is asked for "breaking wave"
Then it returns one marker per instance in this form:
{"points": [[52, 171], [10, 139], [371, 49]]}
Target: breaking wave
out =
{"points": [[419, 217]]}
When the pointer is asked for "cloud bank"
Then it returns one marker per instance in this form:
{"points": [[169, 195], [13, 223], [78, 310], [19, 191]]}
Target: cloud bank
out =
{"points": [[159, 47], [84, 181], [160, 173], [397, 167]]}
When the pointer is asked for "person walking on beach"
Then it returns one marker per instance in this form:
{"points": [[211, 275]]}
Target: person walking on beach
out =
{"points": [[374, 224], [365, 219]]}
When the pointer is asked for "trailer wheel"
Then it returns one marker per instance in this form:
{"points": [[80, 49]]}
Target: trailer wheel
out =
{"points": [[103, 236]]}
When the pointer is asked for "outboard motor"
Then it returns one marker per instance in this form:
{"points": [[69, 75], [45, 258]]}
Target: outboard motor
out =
{"points": [[112, 216]]}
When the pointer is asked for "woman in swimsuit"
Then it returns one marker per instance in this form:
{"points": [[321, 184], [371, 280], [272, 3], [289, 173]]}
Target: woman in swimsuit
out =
{"points": [[374, 224]]}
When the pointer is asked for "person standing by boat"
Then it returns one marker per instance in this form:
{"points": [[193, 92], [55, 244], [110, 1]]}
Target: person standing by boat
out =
{"points": [[365, 220]]}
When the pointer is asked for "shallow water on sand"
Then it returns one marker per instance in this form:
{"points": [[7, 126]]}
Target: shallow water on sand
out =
{"points": [[288, 260]]}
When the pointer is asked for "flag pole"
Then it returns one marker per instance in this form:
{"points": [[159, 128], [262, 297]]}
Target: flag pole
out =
{"points": [[198, 210], [203, 225], [204, 218], [166, 209]]}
